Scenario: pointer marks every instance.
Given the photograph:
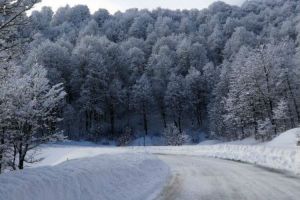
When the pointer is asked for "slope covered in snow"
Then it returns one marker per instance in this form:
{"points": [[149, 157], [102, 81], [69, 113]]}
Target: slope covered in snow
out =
{"points": [[113, 177], [287, 139], [54, 154], [280, 153], [120, 173]]}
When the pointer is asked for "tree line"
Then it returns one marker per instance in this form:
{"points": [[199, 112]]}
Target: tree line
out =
{"points": [[229, 70]]}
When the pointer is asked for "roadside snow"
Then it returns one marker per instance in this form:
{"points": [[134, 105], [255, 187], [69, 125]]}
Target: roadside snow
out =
{"points": [[113, 177], [277, 158], [286, 139], [210, 142], [281, 153], [55, 154], [72, 172], [246, 141]]}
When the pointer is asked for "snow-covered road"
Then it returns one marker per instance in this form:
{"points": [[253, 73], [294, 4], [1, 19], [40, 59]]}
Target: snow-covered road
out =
{"points": [[207, 178]]}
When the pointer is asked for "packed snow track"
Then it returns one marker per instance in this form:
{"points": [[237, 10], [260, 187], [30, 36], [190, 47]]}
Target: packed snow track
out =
{"points": [[198, 178]]}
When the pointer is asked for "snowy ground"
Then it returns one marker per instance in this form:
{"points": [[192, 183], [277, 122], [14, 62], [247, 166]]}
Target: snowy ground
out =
{"points": [[113, 177], [75, 169], [281, 153], [288, 139]]}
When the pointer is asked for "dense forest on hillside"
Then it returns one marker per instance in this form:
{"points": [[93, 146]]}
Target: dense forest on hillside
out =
{"points": [[230, 71]]}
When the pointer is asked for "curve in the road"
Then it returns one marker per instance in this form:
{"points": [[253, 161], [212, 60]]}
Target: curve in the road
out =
{"points": [[197, 178]]}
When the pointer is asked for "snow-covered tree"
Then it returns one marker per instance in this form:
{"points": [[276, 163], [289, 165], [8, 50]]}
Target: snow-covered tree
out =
{"points": [[55, 58], [281, 115], [13, 19], [33, 109], [100, 58], [36, 111], [175, 99], [172, 135], [196, 94], [159, 66], [142, 100]]}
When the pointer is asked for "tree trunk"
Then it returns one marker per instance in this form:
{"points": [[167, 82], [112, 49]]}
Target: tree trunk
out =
{"points": [[179, 124], [270, 102], [145, 119], [1, 150], [21, 157], [86, 121], [199, 115], [112, 120], [14, 159], [293, 98], [163, 115]]}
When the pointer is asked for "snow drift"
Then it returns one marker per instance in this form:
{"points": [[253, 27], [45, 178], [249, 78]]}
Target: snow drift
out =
{"points": [[289, 138], [277, 158], [113, 177]]}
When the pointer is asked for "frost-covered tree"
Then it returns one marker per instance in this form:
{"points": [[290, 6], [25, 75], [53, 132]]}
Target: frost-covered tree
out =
{"points": [[240, 37], [142, 100], [7, 76], [36, 111], [55, 58], [101, 57], [41, 19], [175, 99], [216, 106], [33, 108], [139, 27], [159, 66], [100, 16], [281, 115], [13, 19], [196, 94], [172, 136]]}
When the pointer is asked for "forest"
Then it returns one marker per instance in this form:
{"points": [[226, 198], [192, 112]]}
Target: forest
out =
{"points": [[231, 72]]}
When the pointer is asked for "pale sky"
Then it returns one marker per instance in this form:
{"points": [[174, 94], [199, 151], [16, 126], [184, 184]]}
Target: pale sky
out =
{"points": [[115, 5]]}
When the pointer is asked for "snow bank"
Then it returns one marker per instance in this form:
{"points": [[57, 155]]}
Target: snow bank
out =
{"points": [[287, 139], [55, 154], [113, 177], [279, 153], [278, 158]]}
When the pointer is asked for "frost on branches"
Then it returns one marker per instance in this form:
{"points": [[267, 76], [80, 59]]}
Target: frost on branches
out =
{"points": [[173, 136], [29, 110]]}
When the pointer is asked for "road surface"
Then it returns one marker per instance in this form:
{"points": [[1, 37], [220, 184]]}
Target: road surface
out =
{"points": [[196, 178]]}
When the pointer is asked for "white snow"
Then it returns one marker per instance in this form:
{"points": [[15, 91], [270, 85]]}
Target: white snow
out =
{"points": [[210, 142], [287, 139], [278, 158], [246, 141], [281, 153], [57, 153], [113, 177], [70, 171]]}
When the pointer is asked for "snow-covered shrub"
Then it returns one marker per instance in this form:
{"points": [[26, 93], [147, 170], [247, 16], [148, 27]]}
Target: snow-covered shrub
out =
{"points": [[281, 115], [173, 137], [265, 129]]}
